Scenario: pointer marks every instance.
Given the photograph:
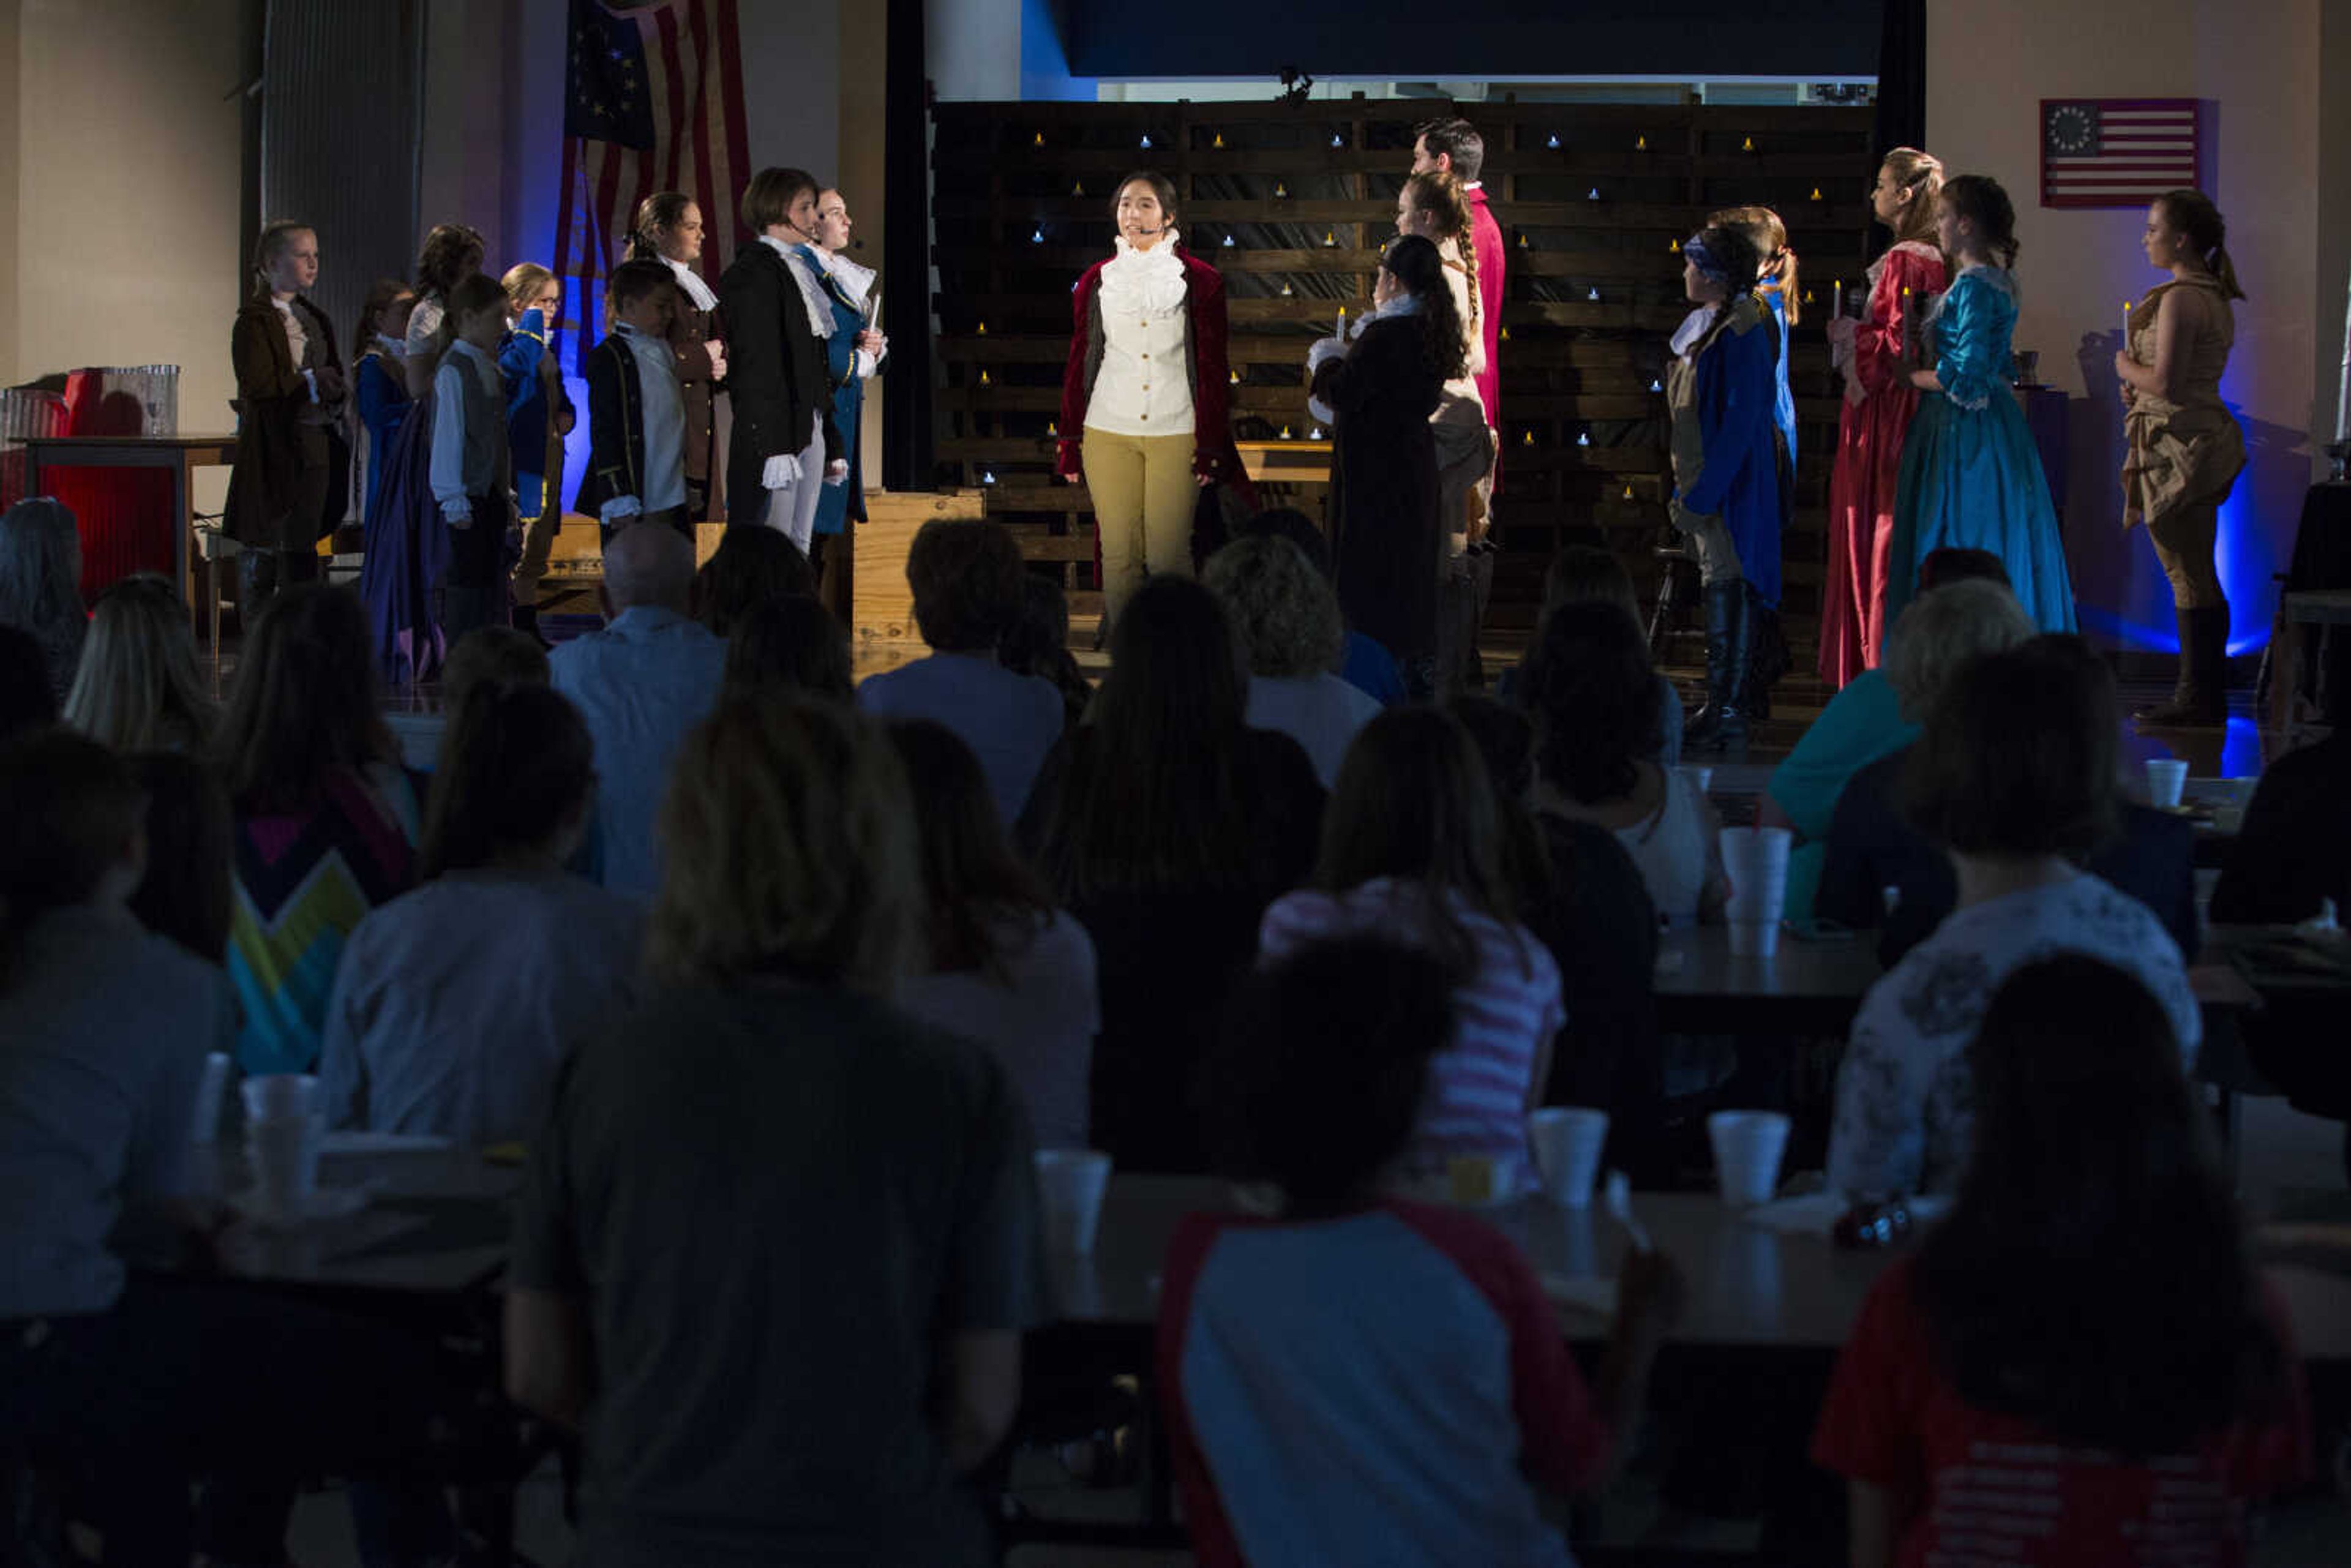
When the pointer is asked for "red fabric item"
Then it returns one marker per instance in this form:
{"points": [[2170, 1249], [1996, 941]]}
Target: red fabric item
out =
{"points": [[1979, 1483], [1562, 1439], [125, 514], [1870, 468], [1486, 237]]}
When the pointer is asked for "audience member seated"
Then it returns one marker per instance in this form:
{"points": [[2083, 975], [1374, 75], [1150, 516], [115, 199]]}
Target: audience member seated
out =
{"points": [[1356, 1378], [1874, 846], [40, 584], [2080, 1364], [776, 1245], [1003, 966], [1580, 893], [2013, 776], [454, 1004], [1412, 853], [965, 576], [2292, 855], [507, 655], [143, 1381], [1366, 667], [1289, 621], [641, 683], [1869, 718], [26, 700], [2293, 850], [1166, 825], [751, 566], [138, 688], [1594, 696], [1580, 574], [790, 644], [1039, 645], [187, 892], [326, 821]]}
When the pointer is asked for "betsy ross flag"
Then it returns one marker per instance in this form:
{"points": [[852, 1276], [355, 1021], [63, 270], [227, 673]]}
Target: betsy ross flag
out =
{"points": [[653, 102], [2118, 151]]}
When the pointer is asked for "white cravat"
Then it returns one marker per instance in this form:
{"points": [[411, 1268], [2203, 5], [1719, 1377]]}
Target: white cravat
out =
{"points": [[690, 283]]}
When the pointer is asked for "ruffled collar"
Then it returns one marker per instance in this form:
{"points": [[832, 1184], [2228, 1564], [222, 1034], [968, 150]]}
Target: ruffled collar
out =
{"points": [[1152, 279], [690, 282], [804, 273]]}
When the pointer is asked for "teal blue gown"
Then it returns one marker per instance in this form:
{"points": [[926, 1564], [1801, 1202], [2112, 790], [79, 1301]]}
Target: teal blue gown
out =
{"points": [[1970, 475]]}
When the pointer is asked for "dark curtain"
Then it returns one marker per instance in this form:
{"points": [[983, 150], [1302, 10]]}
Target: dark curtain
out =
{"points": [[1902, 77], [339, 136], [906, 435]]}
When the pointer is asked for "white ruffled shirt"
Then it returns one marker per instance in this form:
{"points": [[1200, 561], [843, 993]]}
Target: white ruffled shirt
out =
{"points": [[690, 283], [812, 294], [1144, 387]]}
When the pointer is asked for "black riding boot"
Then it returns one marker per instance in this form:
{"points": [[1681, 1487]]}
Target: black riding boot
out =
{"points": [[1721, 724], [2200, 700]]}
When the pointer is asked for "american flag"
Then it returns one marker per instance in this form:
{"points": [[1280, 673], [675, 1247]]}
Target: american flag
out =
{"points": [[653, 101], [2118, 151]]}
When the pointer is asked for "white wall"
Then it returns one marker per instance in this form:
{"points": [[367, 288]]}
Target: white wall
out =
{"points": [[974, 47], [1989, 64], [119, 139]]}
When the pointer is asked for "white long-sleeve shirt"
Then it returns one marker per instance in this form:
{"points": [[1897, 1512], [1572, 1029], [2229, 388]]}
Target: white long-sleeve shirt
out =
{"points": [[1144, 387], [469, 429]]}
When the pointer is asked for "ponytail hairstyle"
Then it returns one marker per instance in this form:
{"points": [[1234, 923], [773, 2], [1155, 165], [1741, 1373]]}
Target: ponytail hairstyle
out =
{"points": [[1776, 264], [516, 768], [272, 243], [382, 296], [1980, 199], [1921, 174], [2193, 214], [1445, 195], [1734, 256], [451, 253], [1413, 262], [69, 808], [662, 210], [471, 297]]}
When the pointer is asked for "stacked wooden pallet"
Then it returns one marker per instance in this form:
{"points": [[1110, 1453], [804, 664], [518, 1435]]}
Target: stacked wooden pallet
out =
{"points": [[1292, 201]]}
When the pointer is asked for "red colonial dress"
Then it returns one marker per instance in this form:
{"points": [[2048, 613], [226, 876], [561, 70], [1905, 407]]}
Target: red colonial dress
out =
{"points": [[1879, 403]]}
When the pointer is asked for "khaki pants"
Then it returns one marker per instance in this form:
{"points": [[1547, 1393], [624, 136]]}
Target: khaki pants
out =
{"points": [[2184, 543], [538, 545], [1144, 495], [1709, 540]]}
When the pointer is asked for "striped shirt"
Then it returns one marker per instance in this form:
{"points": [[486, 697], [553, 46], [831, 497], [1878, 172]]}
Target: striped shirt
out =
{"points": [[1480, 1085]]}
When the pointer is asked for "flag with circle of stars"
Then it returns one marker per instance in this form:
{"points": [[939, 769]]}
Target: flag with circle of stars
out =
{"points": [[606, 96]]}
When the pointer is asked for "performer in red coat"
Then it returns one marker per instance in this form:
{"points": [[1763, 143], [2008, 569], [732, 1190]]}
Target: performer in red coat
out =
{"points": [[1879, 402], [1145, 398], [1454, 145]]}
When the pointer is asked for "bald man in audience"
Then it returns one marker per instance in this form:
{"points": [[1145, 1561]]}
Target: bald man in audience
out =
{"points": [[649, 676]]}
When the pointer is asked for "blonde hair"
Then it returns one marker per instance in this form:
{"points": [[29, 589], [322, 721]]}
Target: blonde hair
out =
{"points": [[788, 849], [1435, 191], [138, 688], [523, 282], [1286, 613], [1776, 264], [1945, 630], [1921, 174]]}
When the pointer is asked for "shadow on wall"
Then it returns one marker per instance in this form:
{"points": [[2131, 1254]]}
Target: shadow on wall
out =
{"points": [[2124, 600]]}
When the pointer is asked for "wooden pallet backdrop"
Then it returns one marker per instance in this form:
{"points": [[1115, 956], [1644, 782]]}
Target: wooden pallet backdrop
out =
{"points": [[1292, 201]]}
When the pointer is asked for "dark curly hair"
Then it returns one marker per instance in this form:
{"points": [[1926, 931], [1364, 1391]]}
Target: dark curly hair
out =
{"points": [[2092, 1278], [1594, 699], [450, 254], [1414, 264]]}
